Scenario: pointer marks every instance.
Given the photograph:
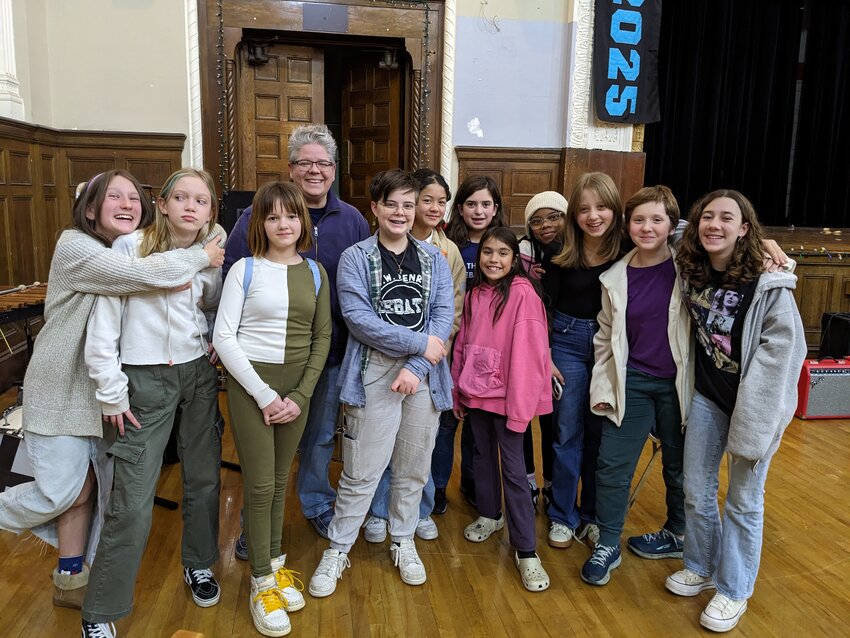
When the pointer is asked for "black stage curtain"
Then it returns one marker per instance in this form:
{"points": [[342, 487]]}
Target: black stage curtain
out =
{"points": [[727, 75], [820, 184]]}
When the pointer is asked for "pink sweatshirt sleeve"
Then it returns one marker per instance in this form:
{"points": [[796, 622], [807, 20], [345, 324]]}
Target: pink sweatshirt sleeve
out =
{"points": [[529, 383]]}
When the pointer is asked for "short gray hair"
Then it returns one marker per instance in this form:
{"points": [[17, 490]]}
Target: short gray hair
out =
{"points": [[311, 134]]}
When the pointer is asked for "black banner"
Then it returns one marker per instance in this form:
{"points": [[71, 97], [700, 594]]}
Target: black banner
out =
{"points": [[625, 60]]}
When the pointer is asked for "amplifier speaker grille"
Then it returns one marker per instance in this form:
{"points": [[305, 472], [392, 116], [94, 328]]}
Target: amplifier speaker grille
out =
{"points": [[829, 392]]}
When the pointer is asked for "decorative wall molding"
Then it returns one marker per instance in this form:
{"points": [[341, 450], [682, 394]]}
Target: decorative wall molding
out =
{"points": [[195, 140], [583, 129], [449, 37], [11, 103]]}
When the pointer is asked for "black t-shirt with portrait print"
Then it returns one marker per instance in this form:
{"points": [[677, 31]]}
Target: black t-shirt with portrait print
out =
{"points": [[400, 297], [718, 312]]}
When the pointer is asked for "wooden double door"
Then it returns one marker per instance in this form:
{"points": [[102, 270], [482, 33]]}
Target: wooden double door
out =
{"points": [[295, 88]]}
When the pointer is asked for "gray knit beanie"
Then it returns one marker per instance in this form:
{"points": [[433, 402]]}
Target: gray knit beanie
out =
{"points": [[546, 199]]}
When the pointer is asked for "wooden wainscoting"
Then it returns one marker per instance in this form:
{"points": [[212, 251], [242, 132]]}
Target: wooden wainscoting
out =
{"points": [[39, 171], [523, 172], [823, 274]]}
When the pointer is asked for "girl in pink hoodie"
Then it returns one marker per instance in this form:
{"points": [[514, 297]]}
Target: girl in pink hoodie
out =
{"points": [[501, 374]]}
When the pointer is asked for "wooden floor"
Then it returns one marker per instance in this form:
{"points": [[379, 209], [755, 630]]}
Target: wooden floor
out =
{"points": [[474, 589]]}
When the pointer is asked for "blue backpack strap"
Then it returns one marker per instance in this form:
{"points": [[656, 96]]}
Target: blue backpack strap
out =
{"points": [[317, 276], [246, 278]]}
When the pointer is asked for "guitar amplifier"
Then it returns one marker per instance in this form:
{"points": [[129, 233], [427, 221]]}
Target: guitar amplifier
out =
{"points": [[823, 391]]}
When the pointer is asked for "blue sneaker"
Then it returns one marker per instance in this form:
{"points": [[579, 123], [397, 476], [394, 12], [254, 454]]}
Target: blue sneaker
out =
{"points": [[597, 569], [241, 548], [321, 522], [655, 545]]}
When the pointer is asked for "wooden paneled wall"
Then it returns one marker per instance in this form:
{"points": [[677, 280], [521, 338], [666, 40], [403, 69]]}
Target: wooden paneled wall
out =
{"points": [[39, 171], [524, 172]]}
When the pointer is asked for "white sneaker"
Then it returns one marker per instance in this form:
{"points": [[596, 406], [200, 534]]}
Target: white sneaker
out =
{"points": [[407, 560], [288, 583], [426, 529], [323, 582], [722, 613], [375, 530], [268, 607], [589, 533], [687, 583], [534, 577], [560, 535]]}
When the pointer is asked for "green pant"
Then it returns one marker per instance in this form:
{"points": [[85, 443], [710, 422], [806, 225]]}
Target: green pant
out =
{"points": [[265, 453], [652, 404], [156, 392]]}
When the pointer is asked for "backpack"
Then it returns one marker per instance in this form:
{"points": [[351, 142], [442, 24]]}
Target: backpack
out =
{"points": [[249, 273]]}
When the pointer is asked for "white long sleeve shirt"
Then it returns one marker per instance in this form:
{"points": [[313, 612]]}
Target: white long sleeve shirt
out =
{"points": [[281, 321], [162, 327]]}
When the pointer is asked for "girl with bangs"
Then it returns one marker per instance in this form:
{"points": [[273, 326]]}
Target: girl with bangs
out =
{"points": [[750, 346], [500, 370], [273, 334], [593, 230], [477, 208], [150, 356], [65, 504]]}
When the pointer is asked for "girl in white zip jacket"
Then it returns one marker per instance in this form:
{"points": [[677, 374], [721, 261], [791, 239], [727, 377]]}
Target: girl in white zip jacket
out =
{"points": [[150, 356], [642, 381]]}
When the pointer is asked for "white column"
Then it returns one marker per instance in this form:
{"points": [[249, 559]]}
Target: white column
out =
{"points": [[447, 113], [583, 129], [194, 143], [11, 104]]}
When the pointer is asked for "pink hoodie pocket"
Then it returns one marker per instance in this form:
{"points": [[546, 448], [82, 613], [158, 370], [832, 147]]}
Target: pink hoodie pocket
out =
{"points": [[481, 376]]}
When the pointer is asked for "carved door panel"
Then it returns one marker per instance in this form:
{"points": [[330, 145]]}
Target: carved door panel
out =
{"points": [[275, 98], [371, 127]]}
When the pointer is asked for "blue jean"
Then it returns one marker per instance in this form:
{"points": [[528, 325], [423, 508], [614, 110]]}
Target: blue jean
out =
{"points": [[577, 431], [317, 446], [442, 461], [729, 552]]}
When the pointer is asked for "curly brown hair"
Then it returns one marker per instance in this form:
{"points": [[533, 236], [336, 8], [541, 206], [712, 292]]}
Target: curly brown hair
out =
{"points": [[747, 257]]}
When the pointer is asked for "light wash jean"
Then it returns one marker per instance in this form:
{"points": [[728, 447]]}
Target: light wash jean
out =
{"points": [[317, 446], [730, 551], [391, 429], [59, 465]]}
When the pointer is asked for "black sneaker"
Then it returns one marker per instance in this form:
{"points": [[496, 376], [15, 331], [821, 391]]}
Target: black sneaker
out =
{"points": [[205, 589], [535, 495], [441, 503], [660, 544], [99, 630], [241, 548]]}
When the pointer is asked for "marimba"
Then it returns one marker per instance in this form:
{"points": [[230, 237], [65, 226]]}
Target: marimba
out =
{"points": [[22, 303]]}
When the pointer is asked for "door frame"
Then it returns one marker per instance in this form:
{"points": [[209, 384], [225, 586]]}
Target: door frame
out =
{"points": [[220, 28]]}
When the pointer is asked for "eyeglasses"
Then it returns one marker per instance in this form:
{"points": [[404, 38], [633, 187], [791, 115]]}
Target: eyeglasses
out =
{"points": [[393, 206], [306, 165], [534, 222]]}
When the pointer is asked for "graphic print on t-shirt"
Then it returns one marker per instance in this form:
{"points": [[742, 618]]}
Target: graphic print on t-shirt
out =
{"points": [[400, 296], [717, 309]]}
